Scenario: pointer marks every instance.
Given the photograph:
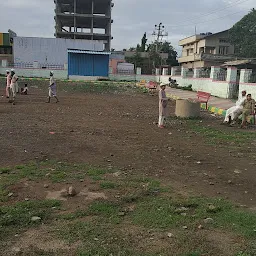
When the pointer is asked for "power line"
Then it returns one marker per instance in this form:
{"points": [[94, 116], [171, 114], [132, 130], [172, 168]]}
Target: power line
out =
{"points": [[215, 11], [206, 21]]}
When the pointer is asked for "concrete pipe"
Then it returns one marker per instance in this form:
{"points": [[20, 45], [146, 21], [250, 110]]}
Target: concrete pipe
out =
{"points": [[187, 108]]}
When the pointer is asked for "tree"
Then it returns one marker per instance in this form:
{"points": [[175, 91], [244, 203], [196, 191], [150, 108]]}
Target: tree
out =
{"points": [[166, 47], [163, 47], [132, 49], [136, 59], [243, 35], [138, 48]]}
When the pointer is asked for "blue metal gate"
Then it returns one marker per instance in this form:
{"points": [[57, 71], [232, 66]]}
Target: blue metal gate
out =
{"points": [[84, 63]]}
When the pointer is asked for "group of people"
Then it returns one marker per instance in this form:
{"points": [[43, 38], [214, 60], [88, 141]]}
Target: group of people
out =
{"points": [[245, 106], [12, 87]]}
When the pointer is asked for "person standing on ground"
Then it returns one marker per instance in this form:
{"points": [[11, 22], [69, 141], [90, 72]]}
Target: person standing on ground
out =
{"points": [[8, 84], [13, 86], [248, 109], [52, 89], [163, 102]]}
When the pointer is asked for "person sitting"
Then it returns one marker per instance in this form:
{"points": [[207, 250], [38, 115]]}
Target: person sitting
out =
{"points": [[24, 91], [248, 109], [237, 110]]}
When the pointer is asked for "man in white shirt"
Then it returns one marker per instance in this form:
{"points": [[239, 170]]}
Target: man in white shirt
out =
{"points": [[237, 110], [14, 86], [52, 89], [8, 83]]}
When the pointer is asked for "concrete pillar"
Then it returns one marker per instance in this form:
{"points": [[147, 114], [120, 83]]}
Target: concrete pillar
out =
{"points": [[138, 71], [4, 63], [35, 64], [184, 72], [165, 72], [157, 71], [245, 75], [214, 72], [174, 71], [232, 74], [197, 72]]}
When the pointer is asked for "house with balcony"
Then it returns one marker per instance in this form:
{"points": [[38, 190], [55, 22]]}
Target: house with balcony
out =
{"points": [[6, 55], [206, 50]]}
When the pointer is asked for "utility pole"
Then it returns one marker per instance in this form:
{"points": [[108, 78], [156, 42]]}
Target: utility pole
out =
{"points": [[159, 33]]}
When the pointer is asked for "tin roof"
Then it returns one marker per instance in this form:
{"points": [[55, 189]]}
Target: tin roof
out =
{"points": [[88, 52]]}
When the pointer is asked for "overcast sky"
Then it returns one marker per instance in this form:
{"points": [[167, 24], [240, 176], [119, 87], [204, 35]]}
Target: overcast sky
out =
{"points": [[132, 18]]}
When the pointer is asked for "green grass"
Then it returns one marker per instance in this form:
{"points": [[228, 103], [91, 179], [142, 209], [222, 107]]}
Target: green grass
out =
{"points": [[214, 135], [90, 87], [108, 185], [160, 212], [5, 170], [142, 203], [97, 239], [17, 217], [193, 254], [53, 171], [103, 208]]}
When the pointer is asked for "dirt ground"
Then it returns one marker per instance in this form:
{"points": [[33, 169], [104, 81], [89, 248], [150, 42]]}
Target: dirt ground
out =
{"points": [[131, 177], [119, 129]]}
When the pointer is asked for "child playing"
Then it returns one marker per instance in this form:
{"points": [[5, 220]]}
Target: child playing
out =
{"points": [[52, 89], [163, 102], [24, 91]]}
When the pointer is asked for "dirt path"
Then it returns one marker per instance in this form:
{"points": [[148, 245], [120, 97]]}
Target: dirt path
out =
{"points": [[118, 130]]}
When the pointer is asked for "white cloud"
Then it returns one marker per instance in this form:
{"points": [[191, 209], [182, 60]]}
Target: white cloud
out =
{"points": [[131, 18]]}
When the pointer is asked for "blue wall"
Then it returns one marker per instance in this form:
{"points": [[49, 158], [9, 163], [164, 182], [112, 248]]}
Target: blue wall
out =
{"points": [[82, 64]]}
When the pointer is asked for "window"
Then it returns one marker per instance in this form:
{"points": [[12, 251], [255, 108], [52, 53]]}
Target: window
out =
{"points": [[5, 50], [224, 40], [191, 50], [187, 52], [223, 50]]}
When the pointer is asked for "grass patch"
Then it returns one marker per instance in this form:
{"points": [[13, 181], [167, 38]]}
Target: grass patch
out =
{"points": [[56, 172], [215, 135], [113, 227], [162, 213], [16, 217], [193, 254], [20, 214], [102, 209], [5, 170], [108, 185]]}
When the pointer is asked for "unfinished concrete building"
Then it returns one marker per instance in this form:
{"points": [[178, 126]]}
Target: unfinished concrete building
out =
{"points": [[84, 19]]}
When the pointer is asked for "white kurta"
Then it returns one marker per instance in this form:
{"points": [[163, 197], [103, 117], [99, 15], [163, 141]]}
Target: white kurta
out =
{"points": [[14, 85], [232, 112], [163, 101]]}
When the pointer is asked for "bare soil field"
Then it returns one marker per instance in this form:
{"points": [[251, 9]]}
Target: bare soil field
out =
{"points": [[140, 190]]}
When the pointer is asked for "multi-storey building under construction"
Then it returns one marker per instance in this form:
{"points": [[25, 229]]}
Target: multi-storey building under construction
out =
{"points": [[84, 19]]}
